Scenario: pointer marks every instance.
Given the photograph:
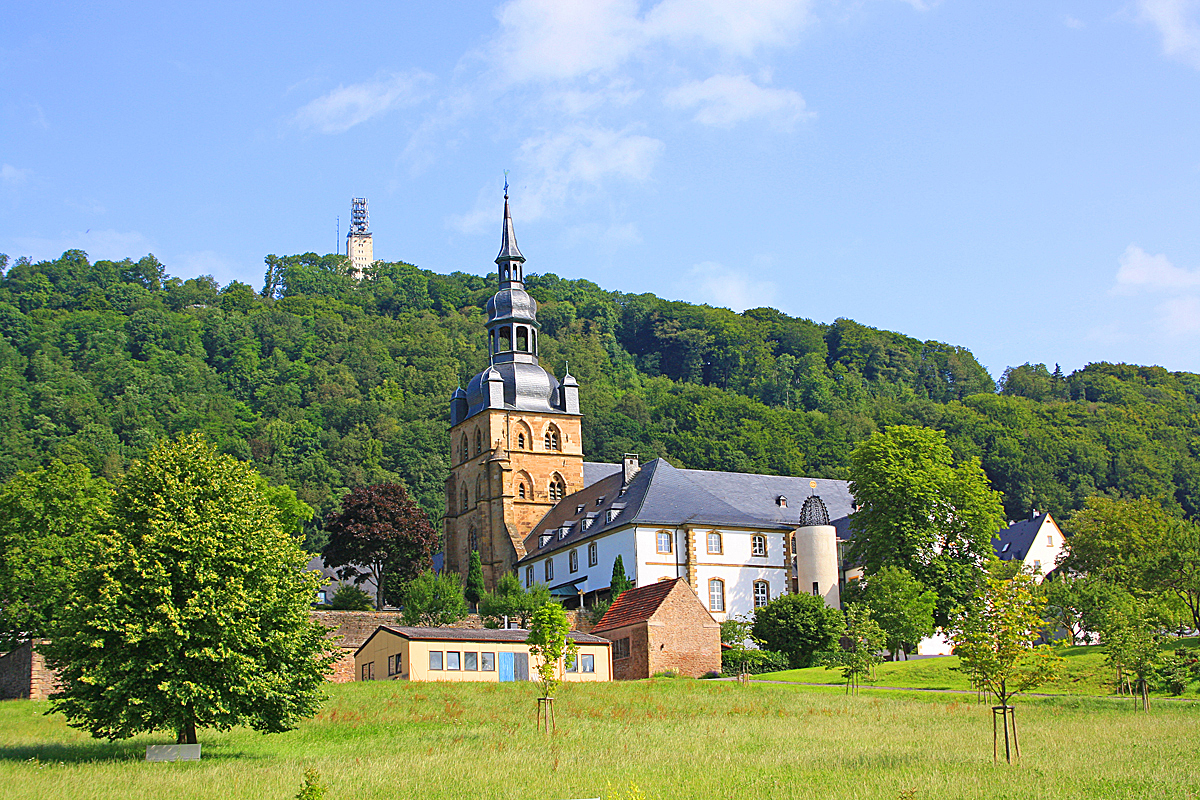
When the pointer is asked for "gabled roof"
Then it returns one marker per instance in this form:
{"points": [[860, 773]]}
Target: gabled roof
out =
{"points": [[482, 635], [660, 494], [594, 471], [636, 605], [1015, 540]]}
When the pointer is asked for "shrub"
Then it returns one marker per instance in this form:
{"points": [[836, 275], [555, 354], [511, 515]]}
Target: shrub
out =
{"points": [[743, 659], [798, 625], [312, 788], [351, 598]]}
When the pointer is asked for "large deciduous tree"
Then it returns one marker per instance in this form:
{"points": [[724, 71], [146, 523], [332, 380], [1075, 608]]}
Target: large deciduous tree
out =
{"points": [[920, 510], [47, 518], [901, 606], [191, 609], [380, 535], [431, 599]]}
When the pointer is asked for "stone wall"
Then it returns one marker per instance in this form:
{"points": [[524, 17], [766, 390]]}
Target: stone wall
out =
{"points": [[25, 676], [683, 637], [638, 664]]}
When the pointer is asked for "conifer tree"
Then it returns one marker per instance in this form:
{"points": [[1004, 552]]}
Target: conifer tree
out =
{"points": [[620, 582], [474, 589]]}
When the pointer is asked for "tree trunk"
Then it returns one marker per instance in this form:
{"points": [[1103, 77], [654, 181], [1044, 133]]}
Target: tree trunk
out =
{"points": [[187, 734]]}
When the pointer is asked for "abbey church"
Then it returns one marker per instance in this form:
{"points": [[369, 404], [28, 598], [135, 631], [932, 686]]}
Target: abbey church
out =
{"points": [[521, 494]]}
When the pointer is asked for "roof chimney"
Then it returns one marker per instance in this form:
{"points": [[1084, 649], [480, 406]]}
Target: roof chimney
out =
{"points": [[629, 468]]}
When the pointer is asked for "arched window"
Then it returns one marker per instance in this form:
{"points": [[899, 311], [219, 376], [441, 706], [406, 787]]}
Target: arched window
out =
{"points": [[549, 569], [522, 338], [558, 489], [478, 441], [472, 539], [758, 545], [465, 450], [552, 440], [573, 561], [716, 595], [504, 341], [465, 504], [528, 576], [762, 593], [593, 555], [520, 441], [478, 489], [663, 540], [521, 490], [714, 543]]}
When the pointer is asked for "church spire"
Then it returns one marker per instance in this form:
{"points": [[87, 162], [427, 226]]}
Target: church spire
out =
{"points": [[510, 261]]}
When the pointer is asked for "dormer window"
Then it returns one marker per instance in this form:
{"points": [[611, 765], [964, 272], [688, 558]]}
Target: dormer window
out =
{"points": [[599, 501], [611, 514], [587, 522], [579, 509], [545, 539], [563, 531], [1006, 546], [781, 501]]}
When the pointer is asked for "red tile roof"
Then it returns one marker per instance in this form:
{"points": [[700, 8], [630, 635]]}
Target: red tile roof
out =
{"points": [[636, 605]]}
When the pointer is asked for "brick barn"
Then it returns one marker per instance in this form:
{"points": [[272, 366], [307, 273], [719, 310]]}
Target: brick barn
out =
{"points": [[659, 628]]}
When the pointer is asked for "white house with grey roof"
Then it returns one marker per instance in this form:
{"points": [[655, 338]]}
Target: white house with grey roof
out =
{"points": [[739, 539]]}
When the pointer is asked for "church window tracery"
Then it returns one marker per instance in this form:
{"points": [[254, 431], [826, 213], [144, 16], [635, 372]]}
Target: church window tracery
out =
{"points": [[552, 439], [558, 488], [472, 539]]}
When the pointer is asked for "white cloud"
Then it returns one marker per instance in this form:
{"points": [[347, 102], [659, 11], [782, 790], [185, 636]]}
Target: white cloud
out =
{"points": [[14, 176], [737, 27], [725, 100], [718, 285], [1140, 270], [561, 40], [347, 106], [1176, 23]]}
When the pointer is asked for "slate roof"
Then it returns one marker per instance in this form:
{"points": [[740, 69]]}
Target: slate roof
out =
{"points": [[512, 635], [594, 471], [660, 494], [1015, 540], [636, 605]]}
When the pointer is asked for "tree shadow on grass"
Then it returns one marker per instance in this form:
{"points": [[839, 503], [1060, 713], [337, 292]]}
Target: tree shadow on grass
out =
{"points": [[103, 751]]}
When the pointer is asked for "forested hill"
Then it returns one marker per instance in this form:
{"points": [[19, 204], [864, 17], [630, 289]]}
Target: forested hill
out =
{"points": [[326, 383]]}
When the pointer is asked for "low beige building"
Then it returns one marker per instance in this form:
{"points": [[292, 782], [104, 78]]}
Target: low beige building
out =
{"points": [[455, 654]]}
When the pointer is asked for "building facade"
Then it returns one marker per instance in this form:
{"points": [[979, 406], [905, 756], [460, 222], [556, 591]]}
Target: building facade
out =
{"points": [[359, 247]]}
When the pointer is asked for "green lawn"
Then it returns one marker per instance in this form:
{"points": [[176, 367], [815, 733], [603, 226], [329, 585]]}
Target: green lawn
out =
{"points": [[1084, 673], [673, 738]]}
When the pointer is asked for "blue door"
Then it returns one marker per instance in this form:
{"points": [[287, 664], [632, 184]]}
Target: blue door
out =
{"points": [[506, 666]]}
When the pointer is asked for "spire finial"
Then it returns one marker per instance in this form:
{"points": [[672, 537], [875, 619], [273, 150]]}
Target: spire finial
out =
{"points": [[505, 184]]}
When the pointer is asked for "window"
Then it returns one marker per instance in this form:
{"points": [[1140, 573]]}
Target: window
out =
{"points": [[453, 660], [523, 338], [579, 509], [487, 662], [714, 543], [435, 659], [620, 648], [664, 541], [398, 660], [758, 545], [322, 597], [781, 501], [1049, 541], [391, 665], [587, 522], [472, 539], [551, 439], [593, 555], [716, 595], [1006, 546], [528, 577], [1037, 565], [478, 441], [520, 441], [465, 505], [570, 663], [599, 501], [611, 514], [368, 671], [521, 490], [558, 489], [762, 593], [816, 589], [573, 561], [549, 569], [466, 451], [589, 662]]}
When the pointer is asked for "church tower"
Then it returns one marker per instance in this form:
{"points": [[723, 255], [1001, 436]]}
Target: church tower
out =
{"points": [[358, 239], [515, 442]]}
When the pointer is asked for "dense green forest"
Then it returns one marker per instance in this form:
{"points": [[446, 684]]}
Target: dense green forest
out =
{"points": [[326, 383]]}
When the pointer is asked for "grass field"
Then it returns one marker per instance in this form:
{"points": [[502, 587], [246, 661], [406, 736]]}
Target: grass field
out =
{"points": [[1084, 673], [672, 738]]}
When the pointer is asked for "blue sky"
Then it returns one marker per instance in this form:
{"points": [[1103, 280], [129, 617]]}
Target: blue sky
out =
{"points": [[1020, 178]]}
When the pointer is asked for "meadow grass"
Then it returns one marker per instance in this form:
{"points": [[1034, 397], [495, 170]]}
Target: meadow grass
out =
{"points": [[1084, 673], [673, 738]]}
